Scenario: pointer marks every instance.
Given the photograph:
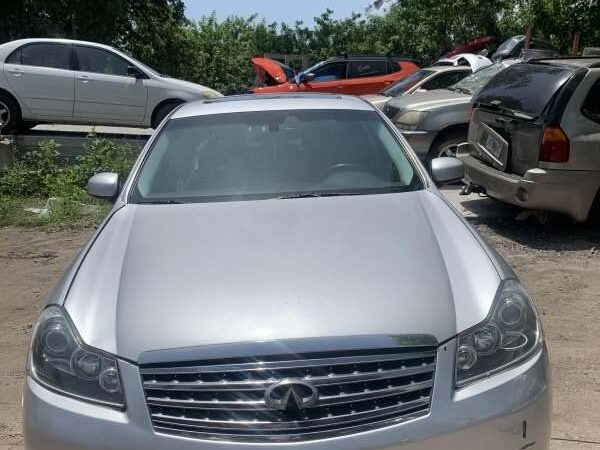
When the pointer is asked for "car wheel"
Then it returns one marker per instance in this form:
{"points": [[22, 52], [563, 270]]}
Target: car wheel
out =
{"points": [[10, 116], [445, 147], [162, 112]]}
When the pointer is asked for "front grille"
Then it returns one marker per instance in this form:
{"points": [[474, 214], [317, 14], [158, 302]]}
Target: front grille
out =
{"points": [[225, 399]]}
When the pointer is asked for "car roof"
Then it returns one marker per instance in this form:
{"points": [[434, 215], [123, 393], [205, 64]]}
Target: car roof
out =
{"points": [[275, 102], [588, 62], [20, 42], [448, 68]]}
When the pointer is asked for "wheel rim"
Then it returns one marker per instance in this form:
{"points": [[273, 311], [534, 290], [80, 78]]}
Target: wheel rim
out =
{"points": [[4, 114], [448, 151]]}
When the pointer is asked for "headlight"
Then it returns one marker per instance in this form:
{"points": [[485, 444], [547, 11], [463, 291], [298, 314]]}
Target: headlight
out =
{"points": [[510, 334], [59, 360], [410, 120]]}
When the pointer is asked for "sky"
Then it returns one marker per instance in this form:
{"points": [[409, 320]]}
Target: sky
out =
{"points": [[274, 10]]}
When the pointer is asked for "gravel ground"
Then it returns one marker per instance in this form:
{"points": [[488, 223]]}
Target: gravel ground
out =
{"points": [[558, 263]]}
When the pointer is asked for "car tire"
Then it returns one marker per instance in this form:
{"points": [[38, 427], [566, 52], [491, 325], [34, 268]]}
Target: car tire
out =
{"points": [[446, 146], [10, 114], [162, 112]]}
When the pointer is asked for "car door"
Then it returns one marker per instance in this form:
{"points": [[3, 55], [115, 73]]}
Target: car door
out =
{"points": [[40, 75], [104, 91], [327, 78], [366, 77]]}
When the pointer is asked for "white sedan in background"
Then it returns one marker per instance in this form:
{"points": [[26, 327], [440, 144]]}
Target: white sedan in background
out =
{"points": [[66, 81]]}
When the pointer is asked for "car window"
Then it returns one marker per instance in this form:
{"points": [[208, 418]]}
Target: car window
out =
{"points": [[98, 60], [591, 105], [360, 69], [444, 79], [269, 154], [526, 88], [473, 83], [331, 71], [56, 56], [14, 57], [404, 84]]}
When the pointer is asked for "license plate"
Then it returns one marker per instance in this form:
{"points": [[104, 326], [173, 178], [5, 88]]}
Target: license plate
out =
{"points": [[493, 144]]}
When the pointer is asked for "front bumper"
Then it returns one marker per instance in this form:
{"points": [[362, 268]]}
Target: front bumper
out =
{"points": [[569, 192], [509, 411]]}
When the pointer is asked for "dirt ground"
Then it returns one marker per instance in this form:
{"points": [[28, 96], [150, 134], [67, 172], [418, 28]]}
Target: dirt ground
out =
{"points": [[559, 264]]}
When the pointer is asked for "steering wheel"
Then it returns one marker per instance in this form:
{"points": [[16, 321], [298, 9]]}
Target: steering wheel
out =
{"points": [[345, 167]]}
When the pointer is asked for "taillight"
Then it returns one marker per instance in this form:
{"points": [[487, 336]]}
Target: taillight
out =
{"points": [[555, 145]]}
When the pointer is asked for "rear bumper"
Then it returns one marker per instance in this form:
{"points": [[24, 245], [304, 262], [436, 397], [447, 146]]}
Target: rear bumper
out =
{"points": [[508, 411], [570, 192]]}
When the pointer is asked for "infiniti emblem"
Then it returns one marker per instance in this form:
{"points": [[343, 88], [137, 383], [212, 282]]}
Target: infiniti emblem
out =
{"points": [[291, 395]]}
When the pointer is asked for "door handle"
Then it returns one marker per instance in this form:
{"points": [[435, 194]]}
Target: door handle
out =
{"points": [[83, 78], [16, 72]]}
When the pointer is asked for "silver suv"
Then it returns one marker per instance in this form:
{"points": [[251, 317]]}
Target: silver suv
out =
{"points": [[280, 272], [534, 138]]}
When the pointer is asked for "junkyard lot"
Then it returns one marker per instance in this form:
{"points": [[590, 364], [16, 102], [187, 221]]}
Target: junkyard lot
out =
{"points": [[559, 264]]}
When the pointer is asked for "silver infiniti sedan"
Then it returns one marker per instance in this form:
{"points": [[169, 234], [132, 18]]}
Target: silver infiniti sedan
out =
{"points": [[279, 272]]}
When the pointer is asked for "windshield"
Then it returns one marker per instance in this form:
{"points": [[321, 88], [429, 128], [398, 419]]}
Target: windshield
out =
{"points": [[526, 88], [403, 85], [472, 84], [273, 154]]}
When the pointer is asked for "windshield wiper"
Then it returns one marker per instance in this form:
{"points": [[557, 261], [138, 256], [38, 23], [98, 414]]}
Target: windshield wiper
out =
{"points": [[160, 202], [318, 194], [462, 90]]}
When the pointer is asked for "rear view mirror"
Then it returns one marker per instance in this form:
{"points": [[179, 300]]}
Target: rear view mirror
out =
{"points": [[104, 185], [447, 170], [133, 71]]}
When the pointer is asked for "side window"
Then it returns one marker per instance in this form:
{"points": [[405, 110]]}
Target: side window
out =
{"points": [[330, 72], [591, 105], [359, 69], [444, 79], [97, 60], [56, 56], [14, 57]]}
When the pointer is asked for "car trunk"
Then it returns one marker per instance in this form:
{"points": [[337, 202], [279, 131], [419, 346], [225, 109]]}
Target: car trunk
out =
{"points": [[270, 72], [512, 111]]}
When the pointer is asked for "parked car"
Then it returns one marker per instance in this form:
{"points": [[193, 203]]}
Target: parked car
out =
{"points": [[512, 47], [280, 270], [435, 122], [65, 81], [444, 73], [355, 75], [534, 136]]}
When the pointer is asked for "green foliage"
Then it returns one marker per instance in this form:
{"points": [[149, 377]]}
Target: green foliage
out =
{"points": [[40, 174], [217, 53]]}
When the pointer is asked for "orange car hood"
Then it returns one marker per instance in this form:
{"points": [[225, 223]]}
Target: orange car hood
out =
{"points": [[273, 68]]}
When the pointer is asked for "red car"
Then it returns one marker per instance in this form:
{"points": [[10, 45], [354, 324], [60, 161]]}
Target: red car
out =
{"points": [[356, 75]]}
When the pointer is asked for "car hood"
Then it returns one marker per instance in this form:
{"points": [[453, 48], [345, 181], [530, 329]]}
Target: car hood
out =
{"points": [[425, 101], [189, 86], [275, 70], [172, 276]]}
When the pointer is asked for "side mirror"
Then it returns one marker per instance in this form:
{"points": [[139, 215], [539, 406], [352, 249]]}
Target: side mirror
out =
{"points": [[308, 77], [447, 170], [133, 71], [104, 185]]}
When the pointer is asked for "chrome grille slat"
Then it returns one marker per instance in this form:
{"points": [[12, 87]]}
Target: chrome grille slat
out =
{"points": [[293, 364], [317, 381], [292, 425], [260, 404], [357, 389]]}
